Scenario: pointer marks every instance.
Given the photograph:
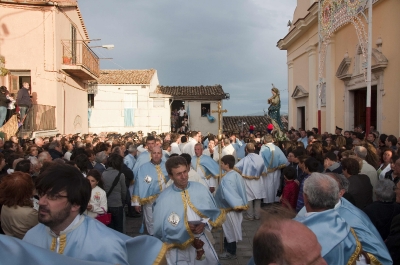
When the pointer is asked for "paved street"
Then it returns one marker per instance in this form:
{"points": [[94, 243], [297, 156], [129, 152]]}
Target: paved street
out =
{"points": [[244, 248]]}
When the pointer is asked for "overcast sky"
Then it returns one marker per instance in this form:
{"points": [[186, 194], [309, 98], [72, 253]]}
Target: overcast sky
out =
{"points": [[191, 43]]}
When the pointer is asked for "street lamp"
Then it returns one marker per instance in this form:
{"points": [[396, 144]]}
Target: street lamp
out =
{"points": [[106, 46]]}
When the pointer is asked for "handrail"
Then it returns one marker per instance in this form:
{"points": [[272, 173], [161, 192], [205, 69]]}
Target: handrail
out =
{"points": [[39, 118]]}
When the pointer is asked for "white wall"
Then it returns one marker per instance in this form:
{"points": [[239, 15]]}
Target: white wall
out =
{"points": [[198, 123], [150, 114]]}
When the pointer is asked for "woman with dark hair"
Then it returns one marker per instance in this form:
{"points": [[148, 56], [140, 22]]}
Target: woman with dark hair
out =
{"points": [[17, 214], [23, 166], [81, 162], [98, 200], [114, 185]]}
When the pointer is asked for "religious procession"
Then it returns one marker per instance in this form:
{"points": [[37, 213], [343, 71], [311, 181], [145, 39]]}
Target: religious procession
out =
{"points": [[110, 166]]}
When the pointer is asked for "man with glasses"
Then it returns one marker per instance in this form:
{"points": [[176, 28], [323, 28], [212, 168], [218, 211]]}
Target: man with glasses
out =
{"points": [[64, 195]]}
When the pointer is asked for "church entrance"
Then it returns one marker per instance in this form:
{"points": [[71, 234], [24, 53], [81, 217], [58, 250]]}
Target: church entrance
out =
{"points": [[360, 103]]}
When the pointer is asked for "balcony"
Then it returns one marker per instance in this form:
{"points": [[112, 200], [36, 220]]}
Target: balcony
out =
{"points": [[79, 60], [40, 118]]}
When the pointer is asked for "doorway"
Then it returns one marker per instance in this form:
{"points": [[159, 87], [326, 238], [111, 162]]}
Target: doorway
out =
{"points": [[301, 117], [360, 104]]}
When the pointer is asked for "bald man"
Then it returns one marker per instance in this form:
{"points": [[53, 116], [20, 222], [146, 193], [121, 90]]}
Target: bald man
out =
{"points": [[285, 241], [150, 181]]}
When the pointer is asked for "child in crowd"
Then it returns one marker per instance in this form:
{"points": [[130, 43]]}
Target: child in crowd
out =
{"points": [[291, 189]]}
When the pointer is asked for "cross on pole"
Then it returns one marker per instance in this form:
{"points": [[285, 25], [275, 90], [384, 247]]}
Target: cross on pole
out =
{"points": [[220, 111]]}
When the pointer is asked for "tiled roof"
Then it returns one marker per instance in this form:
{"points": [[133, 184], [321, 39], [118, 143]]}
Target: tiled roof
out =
{"points": [[193, 92], [128, 77], [82, 23], [232, 123]]}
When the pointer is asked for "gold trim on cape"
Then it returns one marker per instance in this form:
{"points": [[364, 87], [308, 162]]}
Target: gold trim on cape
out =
{"points": [[161, 255], [357, 251]]}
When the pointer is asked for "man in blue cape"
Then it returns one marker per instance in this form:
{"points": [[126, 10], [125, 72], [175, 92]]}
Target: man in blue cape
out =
{"points": [[274, 161], [150, 181], [181, 213], [340, 244], [206, 167], [64, 195], [366, 232]]}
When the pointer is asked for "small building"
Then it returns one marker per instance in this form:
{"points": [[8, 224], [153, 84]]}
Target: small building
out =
{"points": [[125, 101], [199, 103], [45, 43]]}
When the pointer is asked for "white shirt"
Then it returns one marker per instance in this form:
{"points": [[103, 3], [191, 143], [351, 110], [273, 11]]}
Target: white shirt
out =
{"points": [[189, 147], [175, 149], [181, 112]]}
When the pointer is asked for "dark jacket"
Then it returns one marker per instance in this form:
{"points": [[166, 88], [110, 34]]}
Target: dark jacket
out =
{"points": [[55, 154], [361, 189], [381, 215], [23, 98], [3, 100]]}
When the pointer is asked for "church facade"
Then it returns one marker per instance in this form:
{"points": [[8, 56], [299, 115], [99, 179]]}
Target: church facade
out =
{"points": [[343, 90]]}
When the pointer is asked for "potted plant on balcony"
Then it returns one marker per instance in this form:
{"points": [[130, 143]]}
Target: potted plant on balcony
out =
{"points": [[67, 59]]}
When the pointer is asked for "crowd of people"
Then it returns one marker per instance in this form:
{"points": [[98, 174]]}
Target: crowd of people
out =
{"points": [[179, 121], [342, 191]]}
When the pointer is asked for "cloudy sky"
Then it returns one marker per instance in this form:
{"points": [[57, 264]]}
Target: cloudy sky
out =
{"points": [[190, 43]]}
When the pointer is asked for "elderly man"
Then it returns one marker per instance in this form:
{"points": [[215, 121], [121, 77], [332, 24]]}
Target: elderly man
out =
{"points": [[366, 232], [181, 214], [206, 167], [145, 156], [101, 159], [274, 161], [130, 158], [366, 168], [63, 228], [251, 168], [55, 150], [194, 138], [383, 210], [338, 240], [44, 157], [150, 181]]}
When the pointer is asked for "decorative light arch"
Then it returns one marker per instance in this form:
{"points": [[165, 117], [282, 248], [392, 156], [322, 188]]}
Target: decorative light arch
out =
{"points": [[334, 14]]}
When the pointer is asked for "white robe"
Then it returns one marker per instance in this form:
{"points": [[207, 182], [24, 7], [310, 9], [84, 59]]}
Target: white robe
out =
{"points": [[176, 256], [233, 226], [271, 186]]}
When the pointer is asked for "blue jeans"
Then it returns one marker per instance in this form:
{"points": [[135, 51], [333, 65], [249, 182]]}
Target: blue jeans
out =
{"points": [[3, 114], [22, 111], [117, 218]]}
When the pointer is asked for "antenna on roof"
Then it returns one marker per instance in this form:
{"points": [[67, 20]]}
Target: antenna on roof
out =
{"points": [[289, 24]]}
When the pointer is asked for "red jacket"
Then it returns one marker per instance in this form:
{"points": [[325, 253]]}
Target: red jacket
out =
{"points": [[290, 194]]}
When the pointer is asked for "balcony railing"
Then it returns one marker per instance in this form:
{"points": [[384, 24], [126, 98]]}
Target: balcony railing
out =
{"points": [[40, 118], [77, 53]]}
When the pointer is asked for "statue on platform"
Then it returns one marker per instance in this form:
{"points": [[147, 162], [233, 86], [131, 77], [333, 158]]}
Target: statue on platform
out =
{"points": [[274, 110]]}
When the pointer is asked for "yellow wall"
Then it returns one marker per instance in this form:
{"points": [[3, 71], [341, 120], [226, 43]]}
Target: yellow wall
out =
{"points": [[385, 26]]}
